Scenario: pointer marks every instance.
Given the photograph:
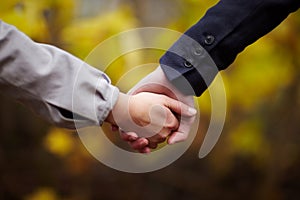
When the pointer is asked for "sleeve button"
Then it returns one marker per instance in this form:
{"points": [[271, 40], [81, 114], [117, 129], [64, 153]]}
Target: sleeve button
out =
{"points": [[188, 64], [209, 40], [198, 51]]}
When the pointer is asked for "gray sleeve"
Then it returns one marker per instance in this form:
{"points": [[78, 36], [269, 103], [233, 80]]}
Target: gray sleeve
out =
{"points": [[54, 84]]}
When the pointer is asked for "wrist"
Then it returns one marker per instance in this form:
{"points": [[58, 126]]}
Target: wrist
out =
{"points": [[119, 110]]}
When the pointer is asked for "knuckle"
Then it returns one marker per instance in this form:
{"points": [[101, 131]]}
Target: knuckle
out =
{"points": [[177, 105], [172, 123], [163, 99]]}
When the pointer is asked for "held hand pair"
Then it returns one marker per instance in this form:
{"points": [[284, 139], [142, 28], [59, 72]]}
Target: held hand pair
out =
{"points": [[147, 117]]}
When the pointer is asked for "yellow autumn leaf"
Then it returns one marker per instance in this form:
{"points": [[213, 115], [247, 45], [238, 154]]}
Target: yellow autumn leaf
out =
{"points": [[59, 142]]}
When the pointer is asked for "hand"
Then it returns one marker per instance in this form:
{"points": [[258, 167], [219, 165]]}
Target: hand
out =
{"points": [[147, 114], [157, 82]]}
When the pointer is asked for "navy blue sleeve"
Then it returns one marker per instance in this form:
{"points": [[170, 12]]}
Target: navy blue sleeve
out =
{"points": [[213, 43]]}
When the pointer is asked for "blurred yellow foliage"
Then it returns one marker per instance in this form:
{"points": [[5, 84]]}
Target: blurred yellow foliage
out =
{"points": [[34, 17], [83, 35], [43, 194], [266, 71], [59, 142], [256, 74], [248, 139]]}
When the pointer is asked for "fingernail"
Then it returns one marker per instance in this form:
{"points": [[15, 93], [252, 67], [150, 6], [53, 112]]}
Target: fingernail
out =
{"points": [[192, 111]]}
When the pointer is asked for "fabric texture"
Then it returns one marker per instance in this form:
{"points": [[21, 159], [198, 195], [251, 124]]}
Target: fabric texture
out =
{"points": [[226, 29], [56, 85]]}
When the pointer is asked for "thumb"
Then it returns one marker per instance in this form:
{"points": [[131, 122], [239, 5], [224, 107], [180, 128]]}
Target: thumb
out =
{"points": [[183, 131], [177, 137], [180, 108]]}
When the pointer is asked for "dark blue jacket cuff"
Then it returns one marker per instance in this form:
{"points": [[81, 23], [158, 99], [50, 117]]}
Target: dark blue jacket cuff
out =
{"points": [[225, 30]]}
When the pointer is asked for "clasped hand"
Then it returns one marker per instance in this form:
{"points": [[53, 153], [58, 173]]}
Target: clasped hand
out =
{"points": [[149, 114]]}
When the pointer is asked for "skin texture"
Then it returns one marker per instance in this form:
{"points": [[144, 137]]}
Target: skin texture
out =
{"points": [[156, 82], [152, 116]]}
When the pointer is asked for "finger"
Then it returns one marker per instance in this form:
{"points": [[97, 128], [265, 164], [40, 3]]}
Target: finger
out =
{"points": [[145, 150], [139, 144], [171, 123], [128, 136], [152, 145], [183, 131], [180, 108], [158, 138], [177, 137], [161, 136]]}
